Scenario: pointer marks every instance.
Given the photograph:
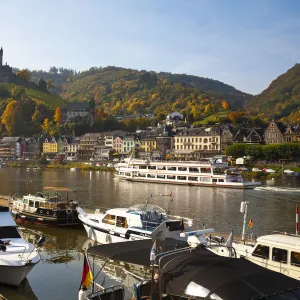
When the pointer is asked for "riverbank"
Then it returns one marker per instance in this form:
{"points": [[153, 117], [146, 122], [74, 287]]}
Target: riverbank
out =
{"points": [[72, 165], [278, 168]]}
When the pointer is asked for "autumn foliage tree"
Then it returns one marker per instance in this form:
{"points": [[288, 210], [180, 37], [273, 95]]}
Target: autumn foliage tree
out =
{"points": [[24, 74], [225, 105], [57, 116], [45, 125], [235, 116], [9, 116]]}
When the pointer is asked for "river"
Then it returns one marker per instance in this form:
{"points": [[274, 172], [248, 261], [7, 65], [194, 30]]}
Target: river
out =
{"points": [[58, 275]]}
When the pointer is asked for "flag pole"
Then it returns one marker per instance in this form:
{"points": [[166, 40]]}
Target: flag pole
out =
{"points": [[244, 207], [297, 219]]}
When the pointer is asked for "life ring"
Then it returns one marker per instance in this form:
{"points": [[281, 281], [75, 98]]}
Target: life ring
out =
{"points": [[68, 211]]}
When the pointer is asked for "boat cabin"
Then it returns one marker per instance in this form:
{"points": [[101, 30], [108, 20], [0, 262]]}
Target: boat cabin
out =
{"points": [[279, 252], [51, 198]]}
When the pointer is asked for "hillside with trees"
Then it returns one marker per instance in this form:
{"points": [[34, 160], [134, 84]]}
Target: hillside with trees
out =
{"points": [[23, 110], [281, 100], [121, 91]]}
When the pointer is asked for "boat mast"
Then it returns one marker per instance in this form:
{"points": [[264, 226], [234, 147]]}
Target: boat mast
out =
{"points": [[244, 208]]}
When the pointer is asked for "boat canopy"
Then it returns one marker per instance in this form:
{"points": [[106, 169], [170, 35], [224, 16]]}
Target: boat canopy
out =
{"points": [[135, 252], [201, 274]]}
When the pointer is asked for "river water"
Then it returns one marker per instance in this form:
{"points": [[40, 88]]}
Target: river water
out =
{"points": [[58, 275]]}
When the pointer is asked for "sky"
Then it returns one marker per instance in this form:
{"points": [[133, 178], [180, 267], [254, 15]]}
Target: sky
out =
{"points": [[246, 44]]}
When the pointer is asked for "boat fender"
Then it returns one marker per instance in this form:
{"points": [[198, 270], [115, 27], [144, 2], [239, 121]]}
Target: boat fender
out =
{"points": [[69, 211], [107, 238], [83, 293]]}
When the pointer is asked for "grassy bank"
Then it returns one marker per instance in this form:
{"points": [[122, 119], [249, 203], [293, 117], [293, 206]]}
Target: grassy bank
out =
{"points": [[79, 166]]}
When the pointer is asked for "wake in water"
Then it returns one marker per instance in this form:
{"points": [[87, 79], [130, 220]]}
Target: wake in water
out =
{"points": [[278, 189]]}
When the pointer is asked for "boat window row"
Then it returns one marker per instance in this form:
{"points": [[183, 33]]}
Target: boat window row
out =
{"points": [[178, 177], [32, 203], [115, 221], [182, 169], [277, 254]]}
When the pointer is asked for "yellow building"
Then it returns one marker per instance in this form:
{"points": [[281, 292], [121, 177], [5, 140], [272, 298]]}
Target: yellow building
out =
{"points": [[148, 144], [197, 139], [50, 147]]}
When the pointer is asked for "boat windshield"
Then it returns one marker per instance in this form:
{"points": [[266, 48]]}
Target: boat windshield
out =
{"points": [[139, 208]]}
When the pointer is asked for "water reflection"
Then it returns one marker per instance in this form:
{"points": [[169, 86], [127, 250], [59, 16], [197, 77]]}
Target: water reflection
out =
{"points": [[23, 292]]}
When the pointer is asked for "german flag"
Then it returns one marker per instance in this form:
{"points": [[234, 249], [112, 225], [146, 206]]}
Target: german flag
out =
{"points": [[250, 223], [87, 276]]}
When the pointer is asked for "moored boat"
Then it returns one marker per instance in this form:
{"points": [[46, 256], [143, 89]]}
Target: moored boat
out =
{"points": [[53, 206], [205, 173], [141, 221], [17, 256], [278, 252], [179, 271]]}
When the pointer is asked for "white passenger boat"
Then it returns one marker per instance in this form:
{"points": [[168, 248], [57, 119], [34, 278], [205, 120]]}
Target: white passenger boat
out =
{"points": [[141, 221], [204, 173], [17, 256], [278, 252]]}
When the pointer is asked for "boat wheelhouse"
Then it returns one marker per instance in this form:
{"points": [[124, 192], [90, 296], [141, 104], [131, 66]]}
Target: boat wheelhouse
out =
{"points": [[53, 206], [205, 173], [141, 221]]}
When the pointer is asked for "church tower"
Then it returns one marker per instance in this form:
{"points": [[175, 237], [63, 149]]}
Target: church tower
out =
{"points": [[1, 57]]}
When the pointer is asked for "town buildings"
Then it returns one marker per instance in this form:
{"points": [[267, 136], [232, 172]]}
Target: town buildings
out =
{"points": [[174, 142]]}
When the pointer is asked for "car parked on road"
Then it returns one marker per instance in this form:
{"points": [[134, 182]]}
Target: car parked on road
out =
{"points": [[242, 169], [256, 170], [288, 171], [271, 171]]}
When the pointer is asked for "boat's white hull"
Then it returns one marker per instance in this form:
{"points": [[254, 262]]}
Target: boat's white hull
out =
{"points": [[233, 185], [107, 238], [14, 275]]}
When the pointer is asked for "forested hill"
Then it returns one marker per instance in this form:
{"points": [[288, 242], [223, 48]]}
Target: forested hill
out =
{"points": [[126, 91], [281, 100]]}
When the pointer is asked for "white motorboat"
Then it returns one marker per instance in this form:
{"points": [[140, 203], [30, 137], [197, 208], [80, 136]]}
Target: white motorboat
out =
{"points": [[17, 256], [141, 221], [278, 252]]}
